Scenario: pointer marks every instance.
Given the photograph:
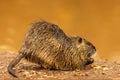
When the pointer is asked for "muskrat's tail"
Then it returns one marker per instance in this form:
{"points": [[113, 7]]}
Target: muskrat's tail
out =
{"points": [[13, 63]]}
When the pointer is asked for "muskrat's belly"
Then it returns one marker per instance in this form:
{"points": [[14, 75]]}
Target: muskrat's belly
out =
{"points": [[46, 62], [50, 62]]}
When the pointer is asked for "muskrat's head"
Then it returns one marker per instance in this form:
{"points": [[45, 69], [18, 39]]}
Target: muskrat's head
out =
{"points": [[86, 50]]}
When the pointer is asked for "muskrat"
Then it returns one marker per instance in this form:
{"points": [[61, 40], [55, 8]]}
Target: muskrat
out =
{"points": [[47, 45]]}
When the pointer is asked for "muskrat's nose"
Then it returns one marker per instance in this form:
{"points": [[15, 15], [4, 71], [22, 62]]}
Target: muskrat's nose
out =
{"points": [[94, 48], [89, 61]]}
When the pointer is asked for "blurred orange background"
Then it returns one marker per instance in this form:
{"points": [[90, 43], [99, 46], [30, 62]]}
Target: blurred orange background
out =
{"points": [[96, 20]]}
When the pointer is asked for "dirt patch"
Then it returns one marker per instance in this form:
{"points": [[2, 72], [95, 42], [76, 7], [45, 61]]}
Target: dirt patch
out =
{"points": [[102, 70]]}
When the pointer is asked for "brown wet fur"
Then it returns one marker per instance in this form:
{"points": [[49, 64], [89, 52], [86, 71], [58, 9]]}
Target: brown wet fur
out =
{"points": [[47, 45]]}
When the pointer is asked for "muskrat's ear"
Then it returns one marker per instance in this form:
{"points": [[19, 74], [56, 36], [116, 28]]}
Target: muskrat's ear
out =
{"points": [[80, 40]]}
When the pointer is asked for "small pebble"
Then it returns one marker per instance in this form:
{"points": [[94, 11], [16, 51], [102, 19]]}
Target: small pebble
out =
{"points": [[103, 73]]}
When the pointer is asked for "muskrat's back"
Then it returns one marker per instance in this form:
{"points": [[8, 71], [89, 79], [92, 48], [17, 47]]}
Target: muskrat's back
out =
{"points": [[43, 43]]}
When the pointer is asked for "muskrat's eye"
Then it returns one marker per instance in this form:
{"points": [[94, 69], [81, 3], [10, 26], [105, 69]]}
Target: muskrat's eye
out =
{"points": [[80, 40]]}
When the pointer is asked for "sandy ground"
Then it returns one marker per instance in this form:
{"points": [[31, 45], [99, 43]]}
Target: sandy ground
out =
{"points": [[102, 70]]}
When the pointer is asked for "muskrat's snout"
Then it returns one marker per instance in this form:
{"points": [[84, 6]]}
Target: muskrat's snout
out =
{"points": [[89, 61], [94, 48]]}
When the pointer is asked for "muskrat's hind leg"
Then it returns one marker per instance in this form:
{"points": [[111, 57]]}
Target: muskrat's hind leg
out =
{"points": [[13, 63]]}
